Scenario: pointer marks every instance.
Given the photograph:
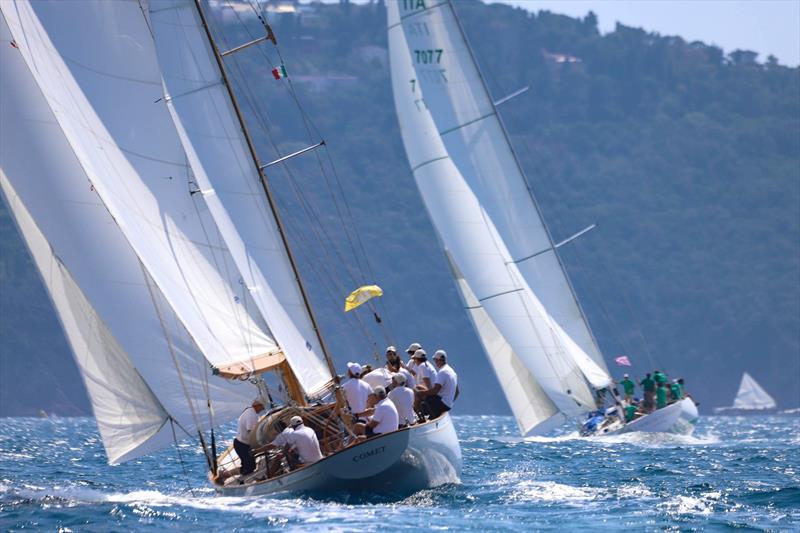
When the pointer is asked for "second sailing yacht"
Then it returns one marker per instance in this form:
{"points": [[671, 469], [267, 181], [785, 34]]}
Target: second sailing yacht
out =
{"points": [[500, 251]]}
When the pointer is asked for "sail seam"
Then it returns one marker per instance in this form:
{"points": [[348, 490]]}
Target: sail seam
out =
{"points": [[414, 14], [428, 162], [455, 128]]}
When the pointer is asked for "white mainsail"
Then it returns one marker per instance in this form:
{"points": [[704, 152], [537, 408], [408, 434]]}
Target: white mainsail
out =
{"points": [[487, 221], [129, 346], [229, 181], [536, 341], [752, 396], [471, 131], [130, 152]]}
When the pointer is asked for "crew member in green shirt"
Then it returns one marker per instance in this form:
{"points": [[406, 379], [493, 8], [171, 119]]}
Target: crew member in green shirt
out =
{"points": [[649, 387], [628, 386], [659, 377], [677, 392], [630, 413], [661, 396]]}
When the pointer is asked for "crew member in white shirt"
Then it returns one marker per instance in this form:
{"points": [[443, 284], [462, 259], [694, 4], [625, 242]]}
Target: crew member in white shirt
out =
{"points": [[356, 391], [384, 418], [403, 399], [245, 436], [441, 397], [304, 440], [423, 370]]}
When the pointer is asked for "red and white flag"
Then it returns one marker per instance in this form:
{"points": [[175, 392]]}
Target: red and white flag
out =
{"points": [[622, 360]]}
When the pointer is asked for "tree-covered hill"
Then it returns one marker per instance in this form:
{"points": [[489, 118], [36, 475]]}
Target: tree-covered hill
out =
{"points": [[686, 157]]}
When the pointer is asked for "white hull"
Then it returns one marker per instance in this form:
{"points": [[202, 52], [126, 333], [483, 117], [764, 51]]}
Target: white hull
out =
{"points": [[401, 462], [679, 418]]}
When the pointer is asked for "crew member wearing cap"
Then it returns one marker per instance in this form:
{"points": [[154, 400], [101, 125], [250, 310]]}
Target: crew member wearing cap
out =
{"points": [[403, 399], [245, 437], [396, 365], [355, 390], [304, 440], [411, 365], [441, 397], [422, 369], [627, 386], [384, 418]]}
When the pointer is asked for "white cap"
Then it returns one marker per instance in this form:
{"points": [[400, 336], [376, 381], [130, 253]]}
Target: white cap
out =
{"points": [[391, 349], [399, 378], [354, 368], [414, 347], [440, 354], [420, 354], [625, 375], [379, 391], [295, 421]]}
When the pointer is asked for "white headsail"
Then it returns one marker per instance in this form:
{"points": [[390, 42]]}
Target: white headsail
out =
{"points": [[129, 346], [101, 86], [229, 181], [752, 396], [490, 279]]}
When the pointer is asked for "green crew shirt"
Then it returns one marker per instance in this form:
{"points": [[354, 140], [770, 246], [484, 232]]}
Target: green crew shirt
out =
{"points": [[661, 397], [627, 384], [630, 412], [648, 385], [677, 393], [659, 377]]}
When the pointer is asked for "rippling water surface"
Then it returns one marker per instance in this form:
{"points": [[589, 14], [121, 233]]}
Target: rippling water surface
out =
{"points": [[734, 473]]}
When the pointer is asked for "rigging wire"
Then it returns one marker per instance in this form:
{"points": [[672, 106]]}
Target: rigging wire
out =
{"points": [[180, 457], [356, 244]]}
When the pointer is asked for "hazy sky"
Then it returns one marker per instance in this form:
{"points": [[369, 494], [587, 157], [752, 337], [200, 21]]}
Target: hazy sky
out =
{"points": [[764, 26]]}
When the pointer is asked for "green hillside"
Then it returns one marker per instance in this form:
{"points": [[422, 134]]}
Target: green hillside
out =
{"points": [[687, 158]]}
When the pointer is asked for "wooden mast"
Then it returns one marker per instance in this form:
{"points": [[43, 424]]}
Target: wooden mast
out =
{"points": [[273, 207]]}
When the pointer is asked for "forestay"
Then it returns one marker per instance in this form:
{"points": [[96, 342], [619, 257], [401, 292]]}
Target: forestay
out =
{"points": [[127, 145], [752, 396], [470, 236], [229, 180], [127, 350], [467, 122]]}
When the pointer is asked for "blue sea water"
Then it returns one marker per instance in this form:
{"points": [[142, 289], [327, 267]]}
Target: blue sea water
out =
{"points": [[734, 473]]}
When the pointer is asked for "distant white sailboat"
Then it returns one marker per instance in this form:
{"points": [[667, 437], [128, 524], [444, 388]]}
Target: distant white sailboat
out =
{"points": [[751, 398], [501, 254]]}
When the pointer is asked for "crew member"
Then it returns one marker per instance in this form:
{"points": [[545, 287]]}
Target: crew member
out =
{"points": [[403, 399], [423, 371], [649, 388], [677, 392], [384, 418], [304, 440], [356, 391], [442, 395], [661, 396], [245, 436], [628, 387]]}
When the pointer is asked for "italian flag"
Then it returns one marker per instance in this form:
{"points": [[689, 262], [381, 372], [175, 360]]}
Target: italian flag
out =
{"points": [[279, 72]]}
